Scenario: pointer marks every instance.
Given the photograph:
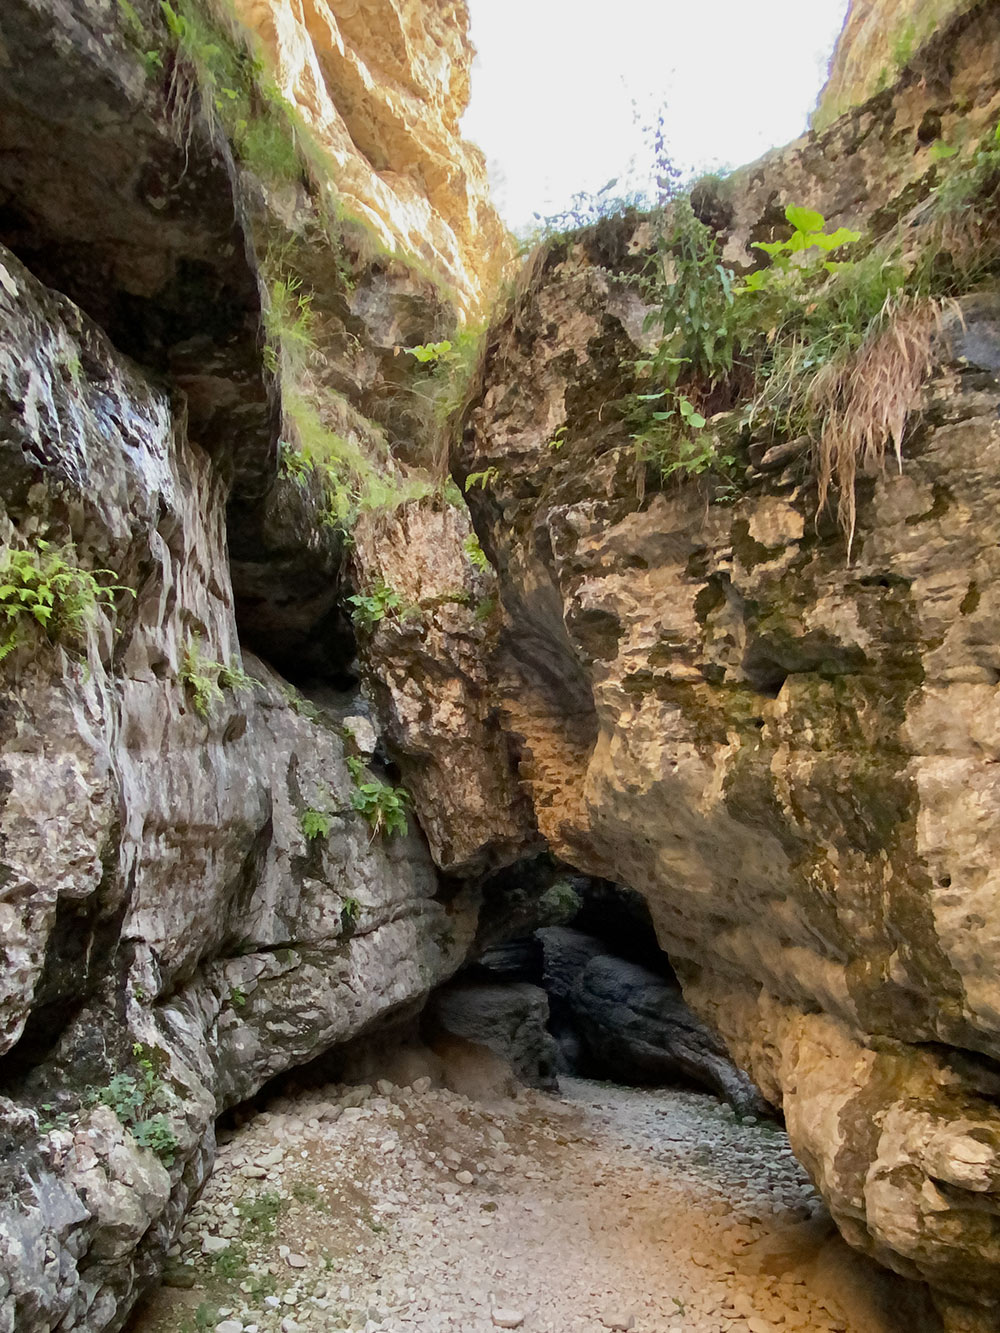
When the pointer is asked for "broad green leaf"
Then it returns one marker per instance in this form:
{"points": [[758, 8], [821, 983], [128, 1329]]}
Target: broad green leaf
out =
{"points": [[804, 219]]}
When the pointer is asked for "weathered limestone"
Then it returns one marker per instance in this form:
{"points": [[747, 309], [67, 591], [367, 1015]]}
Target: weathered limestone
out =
{"points": [[382, 84], [792, 756], [879, 40], [159, 888]]}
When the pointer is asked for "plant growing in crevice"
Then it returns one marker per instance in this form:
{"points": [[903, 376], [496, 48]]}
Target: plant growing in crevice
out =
{"points": [[288, 325], [382, 603], [315, 823], [205, 680], [382, 805], [475, 553], [139, 1101], [44, 587], [350, 912]]}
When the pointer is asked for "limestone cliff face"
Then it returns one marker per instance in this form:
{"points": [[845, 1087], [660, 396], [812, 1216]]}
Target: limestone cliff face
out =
{"points": [[880, 39], [793, 756], [382, 84], [191, 900]]}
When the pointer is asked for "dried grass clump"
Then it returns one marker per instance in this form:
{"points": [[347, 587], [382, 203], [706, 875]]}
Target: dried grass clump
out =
{"points": [[861, 401]]}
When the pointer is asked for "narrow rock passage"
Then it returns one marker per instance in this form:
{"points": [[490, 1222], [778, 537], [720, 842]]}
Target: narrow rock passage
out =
{"points": [[603, 1208]]}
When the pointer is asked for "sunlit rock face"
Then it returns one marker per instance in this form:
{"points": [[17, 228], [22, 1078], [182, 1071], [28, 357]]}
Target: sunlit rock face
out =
{"points": [[382, 84], [879, 40], [792, 753]]}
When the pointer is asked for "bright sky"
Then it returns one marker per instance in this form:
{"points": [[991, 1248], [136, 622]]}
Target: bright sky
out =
{"points": [[554, 83]]}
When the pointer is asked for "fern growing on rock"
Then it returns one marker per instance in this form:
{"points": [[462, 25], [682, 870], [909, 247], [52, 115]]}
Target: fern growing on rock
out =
{"points": [[45, 588]]}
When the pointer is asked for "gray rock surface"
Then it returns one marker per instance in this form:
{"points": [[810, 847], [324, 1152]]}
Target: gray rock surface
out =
{"points": [[624, 1021], [162, 902], [639, 1029], [510, 1020]]}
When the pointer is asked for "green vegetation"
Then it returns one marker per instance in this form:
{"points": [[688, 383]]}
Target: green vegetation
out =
{"points": [[476, 554], [316, 823], [484, 610], [237, 997], [231, 83], [383, 805], [353, 482], [443, 393], [260, 1212], [204, 1319], [288, 325], [483, 479], [370, 609], [46, 589], [349, 914], [135, 1099], [206, 680]]}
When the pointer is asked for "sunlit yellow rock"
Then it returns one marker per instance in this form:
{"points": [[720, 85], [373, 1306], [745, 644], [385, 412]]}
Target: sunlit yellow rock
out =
{"points": [[382, 84], [879, 38]]}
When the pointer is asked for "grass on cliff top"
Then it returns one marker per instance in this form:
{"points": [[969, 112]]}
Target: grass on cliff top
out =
{"points": [[828, 341]]}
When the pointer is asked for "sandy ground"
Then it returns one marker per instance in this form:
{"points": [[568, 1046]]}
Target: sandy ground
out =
{"points": [[418, 1210]]}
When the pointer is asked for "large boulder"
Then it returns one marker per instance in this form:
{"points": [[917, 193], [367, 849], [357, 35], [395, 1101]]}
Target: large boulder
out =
{"points": [[510, 1020], [637, 1028]]}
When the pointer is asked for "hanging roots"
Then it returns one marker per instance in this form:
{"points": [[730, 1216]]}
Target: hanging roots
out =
{"points": [[862, 401]]}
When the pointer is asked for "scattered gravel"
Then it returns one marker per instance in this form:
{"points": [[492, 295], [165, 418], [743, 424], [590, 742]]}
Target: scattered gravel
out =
{"points": [[392, 1210]]}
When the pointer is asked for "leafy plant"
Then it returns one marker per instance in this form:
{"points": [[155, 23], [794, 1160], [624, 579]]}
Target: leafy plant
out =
{"points": [[45, 587], [558, 439], [484, 609], [476, 554], [433, 353], [383, 805], [369, 609], [134, 1100], [316, 823], [237, 997], [807, 234], [483, 479], [206, 679]]}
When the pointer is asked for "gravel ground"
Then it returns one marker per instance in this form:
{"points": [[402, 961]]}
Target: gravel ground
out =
{"points": [[420, 1211]]}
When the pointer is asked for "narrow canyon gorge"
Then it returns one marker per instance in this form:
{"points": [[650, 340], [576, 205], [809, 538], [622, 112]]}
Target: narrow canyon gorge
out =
{"points": [[498, 743]]}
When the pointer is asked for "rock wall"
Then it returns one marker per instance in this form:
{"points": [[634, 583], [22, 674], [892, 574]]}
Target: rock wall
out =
{"points": [[191, 900], [383, 84], [792, 755], [878, 42], [162, 899]]}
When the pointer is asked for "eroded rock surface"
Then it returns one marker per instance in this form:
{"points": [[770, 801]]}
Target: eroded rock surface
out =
{"points": [[162, 899], [383, 84], [791, 755]]}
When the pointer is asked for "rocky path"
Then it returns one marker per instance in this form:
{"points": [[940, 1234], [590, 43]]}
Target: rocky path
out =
{"points": [[418, 1210]]}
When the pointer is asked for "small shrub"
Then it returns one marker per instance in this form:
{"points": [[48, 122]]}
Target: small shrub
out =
{"points": [[46, 588], [383, 806]]}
